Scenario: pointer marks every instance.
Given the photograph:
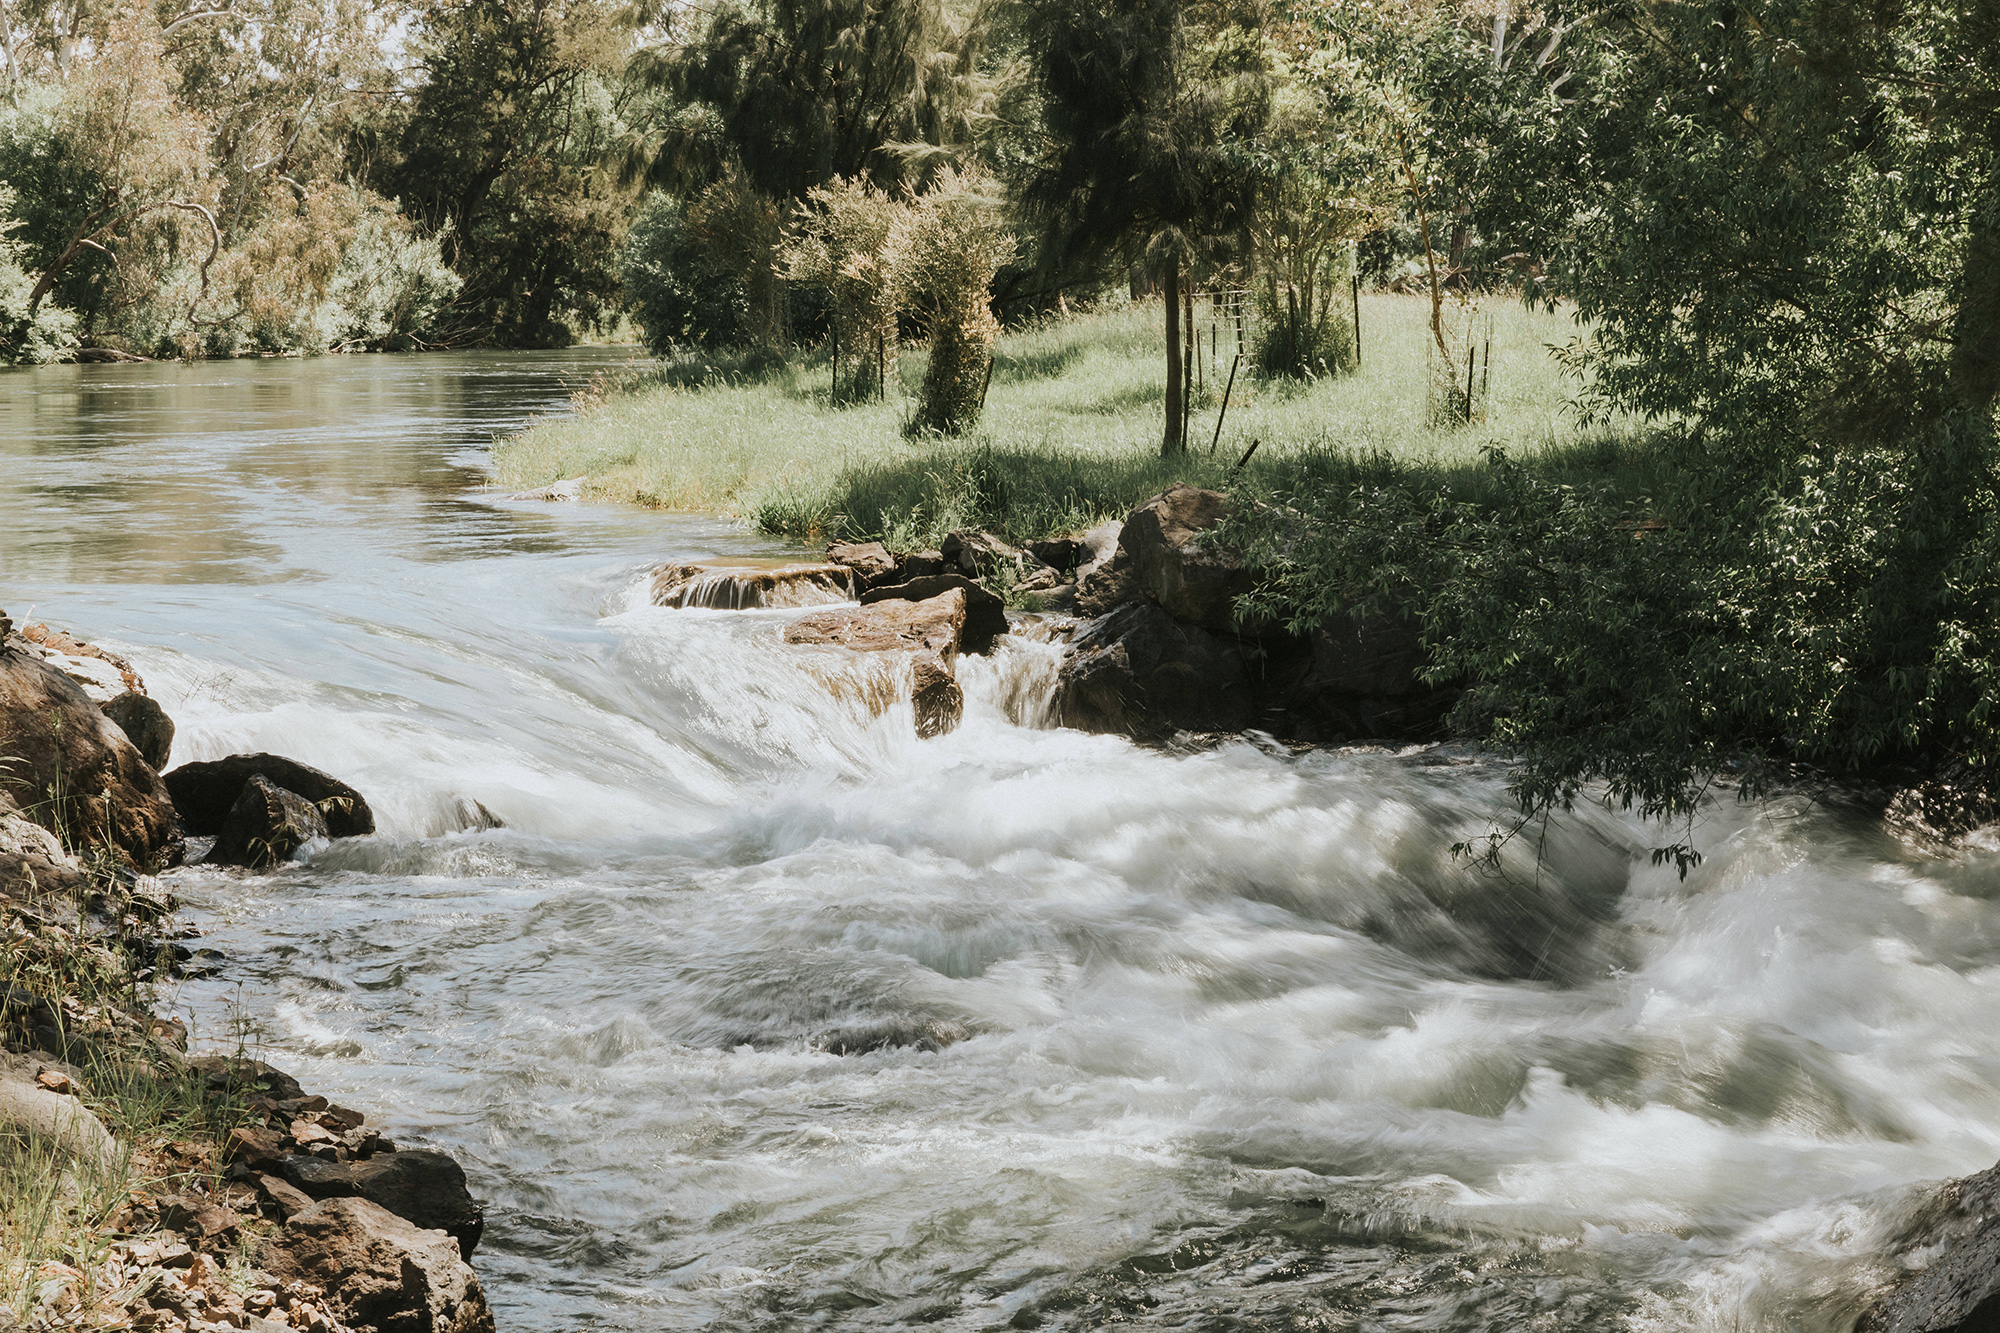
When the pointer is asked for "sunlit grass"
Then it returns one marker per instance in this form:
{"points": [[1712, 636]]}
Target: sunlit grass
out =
{"points": [[1070, 437]]}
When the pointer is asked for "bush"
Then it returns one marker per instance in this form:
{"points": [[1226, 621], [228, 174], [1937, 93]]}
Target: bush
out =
{"points": [[1304, 332], [945, 248], [51, 334]]}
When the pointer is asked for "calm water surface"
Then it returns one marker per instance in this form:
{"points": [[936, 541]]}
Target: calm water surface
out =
{"points": [[761, 1014]]}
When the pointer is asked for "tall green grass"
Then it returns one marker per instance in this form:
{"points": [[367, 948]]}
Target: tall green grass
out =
{"points": [[1070, 436]]}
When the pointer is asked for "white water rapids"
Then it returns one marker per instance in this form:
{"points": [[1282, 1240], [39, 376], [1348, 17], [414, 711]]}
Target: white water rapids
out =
{"points": [[762, 1014]]}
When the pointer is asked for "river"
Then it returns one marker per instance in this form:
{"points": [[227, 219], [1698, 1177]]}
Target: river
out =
{"points": [[761, 1014]]}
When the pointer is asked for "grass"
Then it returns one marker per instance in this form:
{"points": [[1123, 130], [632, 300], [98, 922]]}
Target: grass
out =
{"points": [[1070, 436]]}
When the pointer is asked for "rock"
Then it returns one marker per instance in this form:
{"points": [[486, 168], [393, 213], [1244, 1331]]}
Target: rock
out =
{"points": [[145, 724], [985, 614], [1192, 581], [870, 561], [72, 770], [1140, 673], [929, 631], [917, 565], [265, 826], [422, 1185], [726, 588], [888, 624], [201, 1220], [1099, 546], [28, 1108], [975, 554], [936, 697], [1959, 1288], [1105, 585], [380, 1273], [256, 1147], [240, 1074], [287, 1198], [206, 792], [102, 673], [569, 488], [1061, 554]]}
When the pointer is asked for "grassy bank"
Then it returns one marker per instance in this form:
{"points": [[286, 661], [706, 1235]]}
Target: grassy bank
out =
{"points": [[1070, 436]]}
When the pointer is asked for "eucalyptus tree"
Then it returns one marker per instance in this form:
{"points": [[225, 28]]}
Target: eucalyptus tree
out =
{"points": [[1145, 106]]}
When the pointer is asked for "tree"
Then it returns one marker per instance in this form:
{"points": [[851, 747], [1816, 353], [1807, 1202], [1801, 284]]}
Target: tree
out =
{"points": [[1142, 104], [510, 151], [944, 249], [839, 242]]}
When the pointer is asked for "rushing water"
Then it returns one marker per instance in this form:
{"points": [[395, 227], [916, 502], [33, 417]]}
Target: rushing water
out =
{"points": [[761, 1014]]}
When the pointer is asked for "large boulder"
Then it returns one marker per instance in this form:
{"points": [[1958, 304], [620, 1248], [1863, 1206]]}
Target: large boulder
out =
{"points": [[976, 554], [1139, 672], [72, 770], [206, 792], [927, 632], [1957, 1290], [985, 613], [742, 588], [421, 1185], [381, 1273], [1194, 581], [266, 825]]}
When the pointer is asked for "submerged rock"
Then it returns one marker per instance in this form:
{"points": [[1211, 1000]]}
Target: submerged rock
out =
{"points": [[928, 631], [725, 588], [206, 792], [381, 1272], [265, 826], [1958, 1288], [72, 770]]}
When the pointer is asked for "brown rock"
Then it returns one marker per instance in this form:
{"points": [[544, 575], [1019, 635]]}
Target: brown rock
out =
{"points": [[975, 554], [240, 1074], [206, 792], [201, 1220], [917, 565], [284, 1196], [730, 588], [887, 623], [936, 696], [1061, 554], [145, 724], [380, 1273], [1193, 581], [265, 826], [985, 614], [255, 1147], [422, 1185], [870, 561], [72, 770]]}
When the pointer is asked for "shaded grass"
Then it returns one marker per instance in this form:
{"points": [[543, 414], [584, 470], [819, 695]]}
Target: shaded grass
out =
{"points": [[1071, 433]]}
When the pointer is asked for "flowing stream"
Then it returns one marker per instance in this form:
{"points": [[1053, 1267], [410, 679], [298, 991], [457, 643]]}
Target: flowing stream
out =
{"points": [[761, 1014]]}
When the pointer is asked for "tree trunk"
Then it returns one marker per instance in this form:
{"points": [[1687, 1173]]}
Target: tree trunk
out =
{"points": [[1174, 441]]}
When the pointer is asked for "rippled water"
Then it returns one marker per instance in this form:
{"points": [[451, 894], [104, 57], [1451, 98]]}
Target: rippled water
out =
{"points": [[761, 1014]]}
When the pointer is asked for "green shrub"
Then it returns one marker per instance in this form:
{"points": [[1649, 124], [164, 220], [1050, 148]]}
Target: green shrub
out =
{"points": [[676, 292]]}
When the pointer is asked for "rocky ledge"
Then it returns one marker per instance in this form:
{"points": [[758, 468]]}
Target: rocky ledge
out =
{"points": [[248, 1204]]}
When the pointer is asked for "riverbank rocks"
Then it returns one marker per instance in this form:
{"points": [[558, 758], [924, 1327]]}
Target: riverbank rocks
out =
{"points": [[1191, 580], [266, 825], [730, 588], [72, 770], [206, 793], [381, 1273], [927, 631]]}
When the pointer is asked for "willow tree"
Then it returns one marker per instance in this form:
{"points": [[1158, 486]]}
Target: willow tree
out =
{"points": [[945, 246], [839, 242], [1145, 106]]}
